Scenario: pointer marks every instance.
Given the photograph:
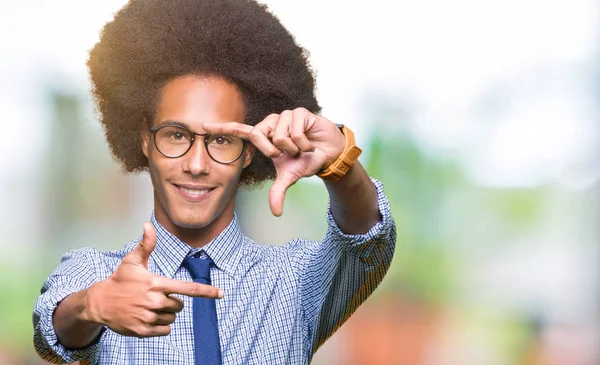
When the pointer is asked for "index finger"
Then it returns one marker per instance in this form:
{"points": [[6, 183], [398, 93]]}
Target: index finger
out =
{"points": [[235, 129], [188, 288]]}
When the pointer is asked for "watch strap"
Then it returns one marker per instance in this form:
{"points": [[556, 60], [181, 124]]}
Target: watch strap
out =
{"points": [[347, 158]]}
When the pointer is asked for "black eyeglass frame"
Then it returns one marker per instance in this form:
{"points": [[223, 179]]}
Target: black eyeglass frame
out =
{"points": [[194, 134]]}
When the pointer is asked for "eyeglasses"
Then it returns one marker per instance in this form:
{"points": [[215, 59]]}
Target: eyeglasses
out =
{"points": [[175, 141]]}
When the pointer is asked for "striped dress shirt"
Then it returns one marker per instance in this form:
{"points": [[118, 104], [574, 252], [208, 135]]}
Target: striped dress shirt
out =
{"points": [[281, 302]]}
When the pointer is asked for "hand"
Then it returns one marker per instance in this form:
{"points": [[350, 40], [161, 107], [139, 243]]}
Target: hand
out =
{"points": [[299, 142], [135, 302]]}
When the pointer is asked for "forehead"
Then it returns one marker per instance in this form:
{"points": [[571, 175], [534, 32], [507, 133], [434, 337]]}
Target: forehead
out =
{"points": [[193, 100]]}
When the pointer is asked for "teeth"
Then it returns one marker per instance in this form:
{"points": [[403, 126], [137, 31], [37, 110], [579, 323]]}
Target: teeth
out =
{"points": [[194, 191]]}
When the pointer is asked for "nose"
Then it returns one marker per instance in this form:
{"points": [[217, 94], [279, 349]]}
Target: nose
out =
{"points": [[197, 161]]}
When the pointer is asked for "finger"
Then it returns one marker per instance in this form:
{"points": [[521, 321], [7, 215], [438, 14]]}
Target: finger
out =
{"points": [[278, 189], [164, 318], [172, 304], [140, 254], [188, 288], [302, 121], [281, 134], [155, 331], [235, 129], [259, 136], [162, 330]]}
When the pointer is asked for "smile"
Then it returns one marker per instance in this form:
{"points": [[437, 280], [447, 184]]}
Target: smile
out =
{"points": [[193, 193]]}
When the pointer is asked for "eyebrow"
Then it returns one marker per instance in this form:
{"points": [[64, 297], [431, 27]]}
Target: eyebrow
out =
{"points": [[173, 123]]}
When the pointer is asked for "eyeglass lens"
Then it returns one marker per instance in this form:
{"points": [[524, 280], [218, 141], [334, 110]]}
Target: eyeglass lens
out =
{"points": [[173, 141]]}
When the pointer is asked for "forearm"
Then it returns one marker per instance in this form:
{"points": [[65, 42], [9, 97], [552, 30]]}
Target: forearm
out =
{"points": [[71, 323], [338, 273], [354, 201]]}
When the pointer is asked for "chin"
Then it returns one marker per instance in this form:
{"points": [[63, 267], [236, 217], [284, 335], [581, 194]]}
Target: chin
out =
{"points": [[188, 215], [191, 221]]}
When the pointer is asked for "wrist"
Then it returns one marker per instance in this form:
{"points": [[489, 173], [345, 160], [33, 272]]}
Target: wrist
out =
{"points": [[90, 304], [340, 145], [343, 163], [350, 179]]}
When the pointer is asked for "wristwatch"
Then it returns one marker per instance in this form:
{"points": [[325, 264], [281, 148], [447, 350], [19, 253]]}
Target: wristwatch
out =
{"points": [[340, 167]]}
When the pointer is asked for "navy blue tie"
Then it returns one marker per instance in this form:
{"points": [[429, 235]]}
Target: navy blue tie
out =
{"points": [[206, 332]]}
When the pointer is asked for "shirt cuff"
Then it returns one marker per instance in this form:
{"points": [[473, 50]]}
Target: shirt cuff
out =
{"points": [[379, 230], [45, 338]]}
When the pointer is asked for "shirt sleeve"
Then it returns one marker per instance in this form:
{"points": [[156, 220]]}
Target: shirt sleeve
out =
{"points": [[76, 272], [337, 274]]}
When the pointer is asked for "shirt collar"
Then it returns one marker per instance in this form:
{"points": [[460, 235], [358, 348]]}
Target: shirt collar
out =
{"points": [[224, 250]]}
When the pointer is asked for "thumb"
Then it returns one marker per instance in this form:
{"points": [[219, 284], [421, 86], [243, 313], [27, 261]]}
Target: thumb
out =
{"points": [[142, 251], [277, 192]]}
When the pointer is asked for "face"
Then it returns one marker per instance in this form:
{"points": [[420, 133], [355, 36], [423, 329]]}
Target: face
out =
{"points": [[194, 196]]}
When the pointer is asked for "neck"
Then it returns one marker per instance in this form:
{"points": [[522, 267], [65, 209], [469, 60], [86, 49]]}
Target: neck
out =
{"points": [[195, 236]]}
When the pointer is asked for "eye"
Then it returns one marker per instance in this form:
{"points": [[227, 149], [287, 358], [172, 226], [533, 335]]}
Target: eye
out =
{"points": [[220, 140], [177, 136]]}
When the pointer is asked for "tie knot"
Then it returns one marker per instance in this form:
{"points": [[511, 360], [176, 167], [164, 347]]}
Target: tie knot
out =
{"points": [[199, 268]]}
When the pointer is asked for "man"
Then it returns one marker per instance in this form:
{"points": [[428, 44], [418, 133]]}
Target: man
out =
{"points": [[208, 96]]}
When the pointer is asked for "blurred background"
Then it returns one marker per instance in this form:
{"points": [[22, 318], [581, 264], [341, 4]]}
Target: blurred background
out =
{"points": [[480, 117]]}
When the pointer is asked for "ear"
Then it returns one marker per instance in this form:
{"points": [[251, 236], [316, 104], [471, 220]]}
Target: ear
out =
{"points": [[248, 155], [146, 144], [145, 134]]}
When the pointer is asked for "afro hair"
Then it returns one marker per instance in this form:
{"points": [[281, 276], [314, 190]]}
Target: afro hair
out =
{"points": [[150, 42]]}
